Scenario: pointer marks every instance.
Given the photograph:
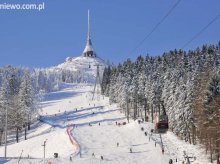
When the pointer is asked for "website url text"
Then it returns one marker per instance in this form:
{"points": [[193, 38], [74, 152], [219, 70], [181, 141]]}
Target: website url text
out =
{"points": [[8, 6]]}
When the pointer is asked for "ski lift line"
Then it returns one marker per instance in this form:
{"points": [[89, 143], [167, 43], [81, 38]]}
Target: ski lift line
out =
{"points": [[155, 27], [201, 31]]}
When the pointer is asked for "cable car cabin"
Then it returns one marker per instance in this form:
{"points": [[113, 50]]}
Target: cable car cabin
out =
{"points": [[161, 124]]}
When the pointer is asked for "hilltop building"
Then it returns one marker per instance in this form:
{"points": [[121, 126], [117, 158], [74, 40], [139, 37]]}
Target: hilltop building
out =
{"points": [[89, 50]]}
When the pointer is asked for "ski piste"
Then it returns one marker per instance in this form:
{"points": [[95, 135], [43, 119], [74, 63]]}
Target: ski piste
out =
{"points": [[76, 126]]}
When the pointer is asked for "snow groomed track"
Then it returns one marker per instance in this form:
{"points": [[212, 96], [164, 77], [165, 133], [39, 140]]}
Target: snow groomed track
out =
{"points": [[76, 126]]}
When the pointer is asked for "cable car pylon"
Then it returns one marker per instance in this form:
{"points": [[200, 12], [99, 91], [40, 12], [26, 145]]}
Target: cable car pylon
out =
{"points": [[97, 81]]}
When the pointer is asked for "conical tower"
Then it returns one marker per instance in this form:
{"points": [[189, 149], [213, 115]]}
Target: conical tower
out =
{"points": [[89, 51]]}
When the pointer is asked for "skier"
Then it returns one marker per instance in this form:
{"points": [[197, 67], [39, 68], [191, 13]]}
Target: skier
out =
{"points": [[116, 123], [162, 150], [71, 157], [145, 133], [170, 161], [99, 123], [93, 154], [130, 150], [102, 158], [117, 144]]}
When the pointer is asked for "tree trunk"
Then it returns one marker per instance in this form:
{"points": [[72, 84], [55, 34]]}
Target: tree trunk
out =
{"points": [[25, 133], [1, 133], [218, 161], [17, 134], [127, 109], [135, 109], [189, 136], [152, 113], [159, 109], [211, 159], [145, 108], [29, 125], [207, 144], [141, 113]]}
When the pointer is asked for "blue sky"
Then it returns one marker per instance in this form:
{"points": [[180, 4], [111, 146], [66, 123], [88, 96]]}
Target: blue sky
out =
{"points": [[45, 38]]}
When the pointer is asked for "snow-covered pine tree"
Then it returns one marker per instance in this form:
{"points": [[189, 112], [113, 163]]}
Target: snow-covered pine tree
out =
{"points": [[26, 100], [106, 80], [178, 78], [16, 90], [3, 106]]}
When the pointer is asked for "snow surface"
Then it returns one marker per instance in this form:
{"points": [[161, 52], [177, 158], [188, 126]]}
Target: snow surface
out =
{"points": [[66, 115], [84, 68], [85, 65]]}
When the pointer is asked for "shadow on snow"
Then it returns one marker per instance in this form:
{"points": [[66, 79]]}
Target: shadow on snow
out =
{"points": [[59, 120]]}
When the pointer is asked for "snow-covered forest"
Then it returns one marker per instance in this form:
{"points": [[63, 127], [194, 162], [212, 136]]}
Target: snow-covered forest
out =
{"points": [[20, 92], [49, 79], [17, 100], [185, 83], [22, 89]]}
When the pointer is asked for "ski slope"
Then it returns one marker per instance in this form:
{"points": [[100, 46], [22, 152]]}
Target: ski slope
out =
{"points": [[75, 126]]}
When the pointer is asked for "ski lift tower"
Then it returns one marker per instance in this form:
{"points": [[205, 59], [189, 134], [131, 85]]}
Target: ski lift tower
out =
{"points": [[97, 87]]}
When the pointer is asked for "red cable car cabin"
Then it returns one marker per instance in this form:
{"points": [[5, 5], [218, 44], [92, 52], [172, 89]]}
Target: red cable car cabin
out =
{"points": [[161, 124]]}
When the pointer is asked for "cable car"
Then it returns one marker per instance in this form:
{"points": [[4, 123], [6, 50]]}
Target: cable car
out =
{"points": [[161, 122]]}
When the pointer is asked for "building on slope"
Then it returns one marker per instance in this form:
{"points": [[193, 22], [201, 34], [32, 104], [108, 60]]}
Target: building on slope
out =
{"points": [[83, 67]]}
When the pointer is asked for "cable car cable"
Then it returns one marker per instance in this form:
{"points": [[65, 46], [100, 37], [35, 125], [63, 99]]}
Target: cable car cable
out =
{"points": [[155, 27], [201, 31]]}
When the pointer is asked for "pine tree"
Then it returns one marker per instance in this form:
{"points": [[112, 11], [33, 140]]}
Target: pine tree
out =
{"points": [[3, 106], [26, 99]]}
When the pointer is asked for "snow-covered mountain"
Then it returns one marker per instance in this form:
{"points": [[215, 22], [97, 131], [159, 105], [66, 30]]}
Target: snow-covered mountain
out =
{"points": [[86, 63], [83, 67], [86, 67]]}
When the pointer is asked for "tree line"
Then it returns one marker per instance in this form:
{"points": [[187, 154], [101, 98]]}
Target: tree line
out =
{"points": [[185, 83], [21, 90], [17, 100]]}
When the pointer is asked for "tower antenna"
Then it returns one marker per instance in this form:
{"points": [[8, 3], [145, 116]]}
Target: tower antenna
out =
{"points": [[88, 37]]}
